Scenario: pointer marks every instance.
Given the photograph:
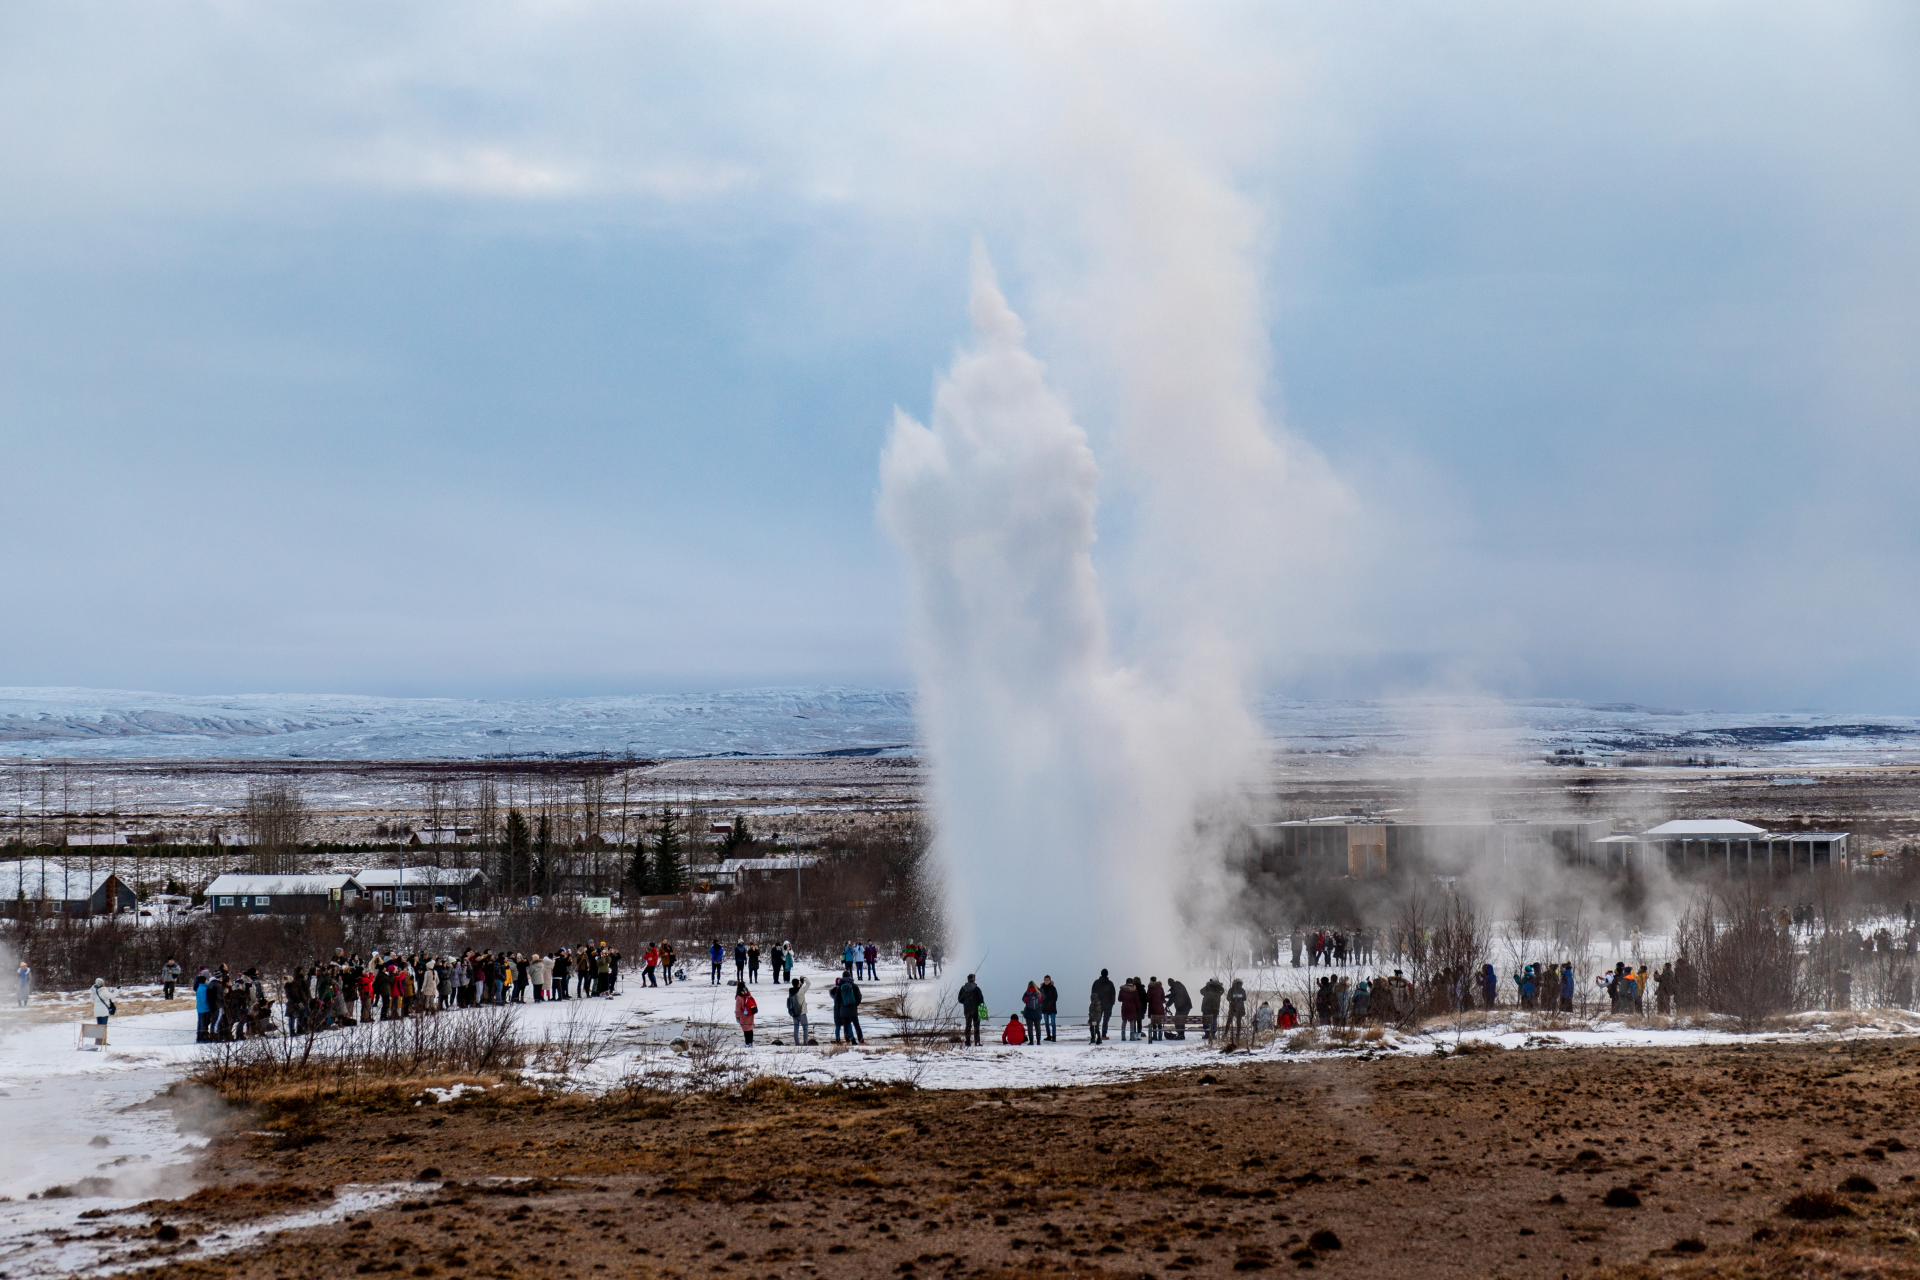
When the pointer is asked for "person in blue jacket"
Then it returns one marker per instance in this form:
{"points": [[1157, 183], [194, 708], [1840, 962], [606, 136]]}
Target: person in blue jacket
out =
{"points": [[716, 956], [203, 1011], [1489, 985], [1523, 984]]}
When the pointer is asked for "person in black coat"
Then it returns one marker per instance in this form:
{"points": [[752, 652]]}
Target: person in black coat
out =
{"points": [[846, 999], [1049, 1006], [1104, 994], [971, 999], [1182, 1006]]}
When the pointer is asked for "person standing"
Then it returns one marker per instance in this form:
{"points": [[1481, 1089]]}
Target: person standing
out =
{"points": [[169, 977], [744, 1009], [1236, 1011], [1156, 1008], [1049, 1007], [216, 990], [1103, 997], [297, 996], [797, 1010], [971, 1003], [873, 961], [1182, 1006], [739, 960], [106, 1002], [753, 963], [1210, 993], [1131, 1000], [1030, 1010], [24, 976], [846, 996], [716, 956], [201, 1008], [666, 963], [649, 961]]}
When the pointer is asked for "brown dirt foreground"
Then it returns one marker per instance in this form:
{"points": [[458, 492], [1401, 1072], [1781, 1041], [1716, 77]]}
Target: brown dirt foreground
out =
{"points": [[1554, 1163]]}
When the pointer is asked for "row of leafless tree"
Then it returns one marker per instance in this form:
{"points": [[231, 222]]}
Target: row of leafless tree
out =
{"points": [[877, 886]]}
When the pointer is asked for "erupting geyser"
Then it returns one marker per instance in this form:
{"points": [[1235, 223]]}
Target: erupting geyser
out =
{"points": [[1068, 788]]}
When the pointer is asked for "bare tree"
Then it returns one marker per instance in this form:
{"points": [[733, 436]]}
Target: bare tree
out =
{"points": [[436, 817], [486, 824], [1447, 942], [593, 821], [1742, 962], [276, 820]]}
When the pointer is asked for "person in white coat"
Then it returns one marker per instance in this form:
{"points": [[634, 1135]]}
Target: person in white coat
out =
{"points": [[106, 1001]]}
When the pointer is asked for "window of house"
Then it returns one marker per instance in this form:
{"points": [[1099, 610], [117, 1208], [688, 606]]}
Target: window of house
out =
{"points": [[226, 902], [261, 900]]}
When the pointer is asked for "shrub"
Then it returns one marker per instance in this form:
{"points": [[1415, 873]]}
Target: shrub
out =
{"points": [[1816, 1205]]}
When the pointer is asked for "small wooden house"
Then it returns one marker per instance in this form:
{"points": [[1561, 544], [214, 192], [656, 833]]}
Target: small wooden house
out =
{"points": [[236, 894]]}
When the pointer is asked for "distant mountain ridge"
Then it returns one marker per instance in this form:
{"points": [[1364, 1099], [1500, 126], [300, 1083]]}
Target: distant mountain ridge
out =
{"points": [[839, 721], [129, 724]]}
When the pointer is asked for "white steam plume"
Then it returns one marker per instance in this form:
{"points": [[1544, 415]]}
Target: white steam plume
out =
{"points": [[1087, 736], [1068, 787]]}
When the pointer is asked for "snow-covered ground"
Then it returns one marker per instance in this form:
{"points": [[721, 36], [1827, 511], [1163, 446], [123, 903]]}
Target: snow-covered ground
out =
{"points": [[79, 1118]]}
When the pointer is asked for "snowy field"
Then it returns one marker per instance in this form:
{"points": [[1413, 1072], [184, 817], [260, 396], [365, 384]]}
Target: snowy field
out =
{"points": [[82, 1119], [121, 724]]}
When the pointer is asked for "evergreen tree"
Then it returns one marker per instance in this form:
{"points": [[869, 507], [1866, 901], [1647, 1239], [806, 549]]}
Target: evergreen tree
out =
{"points": [[543, 856], [639, 869], [668, 867], [517, 856], [739, 837]]}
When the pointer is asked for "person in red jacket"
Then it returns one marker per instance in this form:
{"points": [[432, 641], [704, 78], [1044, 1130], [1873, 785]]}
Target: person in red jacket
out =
{"points": [[1289, 1016], [1133, 1004], [1015, 1033], [744, 1007]]}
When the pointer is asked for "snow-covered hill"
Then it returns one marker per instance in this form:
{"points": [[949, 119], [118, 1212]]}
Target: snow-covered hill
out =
{"points": [[106, 723]]}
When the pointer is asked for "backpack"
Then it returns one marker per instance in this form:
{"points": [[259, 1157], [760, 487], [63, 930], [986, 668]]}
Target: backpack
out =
{"points": [[793, 1004]]}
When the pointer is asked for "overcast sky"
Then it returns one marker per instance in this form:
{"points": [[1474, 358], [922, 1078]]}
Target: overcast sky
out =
{"points": [[524, 349]]}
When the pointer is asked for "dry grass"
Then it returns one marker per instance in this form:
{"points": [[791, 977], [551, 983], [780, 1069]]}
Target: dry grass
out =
{"points": [[80, 1009], [477, 1045]]}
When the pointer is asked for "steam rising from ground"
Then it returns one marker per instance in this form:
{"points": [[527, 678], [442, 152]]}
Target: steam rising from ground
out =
{"points": [[1078, 796]]}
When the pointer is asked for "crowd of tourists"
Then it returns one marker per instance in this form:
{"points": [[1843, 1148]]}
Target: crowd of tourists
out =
{"points": [[1344, 1002], [354, 989]]}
